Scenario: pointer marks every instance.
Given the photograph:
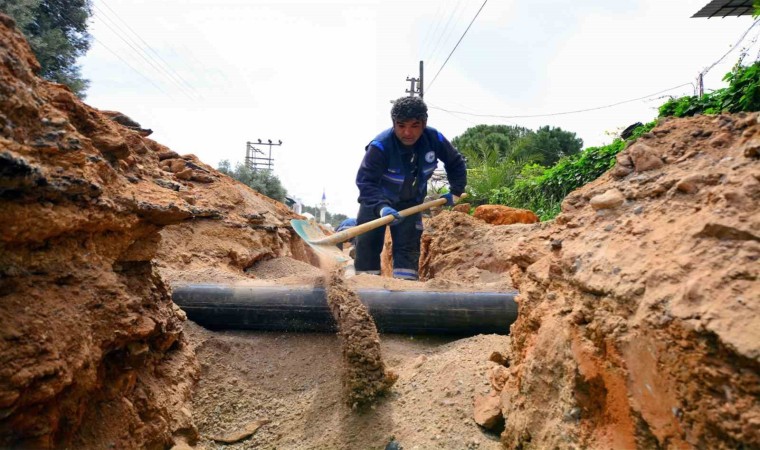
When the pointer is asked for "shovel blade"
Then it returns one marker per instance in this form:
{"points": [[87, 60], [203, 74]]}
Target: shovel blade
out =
{"points": [[311, 232]]}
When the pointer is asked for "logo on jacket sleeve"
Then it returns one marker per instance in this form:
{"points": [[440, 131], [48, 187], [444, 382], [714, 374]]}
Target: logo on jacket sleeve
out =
{"points": [[430, 156]]}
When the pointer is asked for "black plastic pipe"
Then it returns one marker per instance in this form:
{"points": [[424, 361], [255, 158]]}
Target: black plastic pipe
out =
{"points": [[304, 309]]}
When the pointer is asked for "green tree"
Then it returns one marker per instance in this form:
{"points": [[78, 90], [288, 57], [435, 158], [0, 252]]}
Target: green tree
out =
{"points": [[262, 181], [547, 146], [488, 144], [542, 189], [496, 154], [57, 32]]}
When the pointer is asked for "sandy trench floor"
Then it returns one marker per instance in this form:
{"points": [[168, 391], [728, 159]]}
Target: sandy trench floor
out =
{"points": [[293, 380]]}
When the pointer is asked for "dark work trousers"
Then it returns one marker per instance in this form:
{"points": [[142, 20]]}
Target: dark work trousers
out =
{"points": [[406, 244]]}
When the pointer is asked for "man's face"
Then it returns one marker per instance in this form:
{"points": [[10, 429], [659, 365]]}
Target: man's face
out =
{"points": [[409, 131]]}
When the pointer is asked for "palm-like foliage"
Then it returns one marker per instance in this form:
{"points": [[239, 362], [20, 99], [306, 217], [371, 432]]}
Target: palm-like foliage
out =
{"points": [[495, 154]]}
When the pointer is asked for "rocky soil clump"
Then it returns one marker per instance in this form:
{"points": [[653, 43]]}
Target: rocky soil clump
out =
{"points": [[639, 323]]}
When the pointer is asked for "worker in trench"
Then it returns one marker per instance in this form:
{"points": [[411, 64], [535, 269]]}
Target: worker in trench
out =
{"points": [[393, 176]]}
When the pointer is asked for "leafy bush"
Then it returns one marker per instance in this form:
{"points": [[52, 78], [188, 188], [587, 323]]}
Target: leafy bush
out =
{"points": [[743, 91], [691, 105], [495, 154], [543, 189], [741, 94], [484, 178]]}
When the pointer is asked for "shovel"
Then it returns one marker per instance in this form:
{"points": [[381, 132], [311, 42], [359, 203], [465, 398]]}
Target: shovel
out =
{"points": [[327, 245]]}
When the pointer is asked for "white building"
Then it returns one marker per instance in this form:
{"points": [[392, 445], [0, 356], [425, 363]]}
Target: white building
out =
{"points": [[323, 208]]}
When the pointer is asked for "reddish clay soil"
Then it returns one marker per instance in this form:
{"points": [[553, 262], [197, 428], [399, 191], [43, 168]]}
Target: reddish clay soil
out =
{"points": [[638, 325], [639, 322], [92, 353]]}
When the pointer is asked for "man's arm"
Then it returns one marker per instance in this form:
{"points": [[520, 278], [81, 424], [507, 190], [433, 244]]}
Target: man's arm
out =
{"points": [[456, 168], [368, 178]]}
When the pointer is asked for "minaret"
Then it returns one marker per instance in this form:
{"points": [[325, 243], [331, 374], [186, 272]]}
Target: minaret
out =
{"points": [[323, 208]]}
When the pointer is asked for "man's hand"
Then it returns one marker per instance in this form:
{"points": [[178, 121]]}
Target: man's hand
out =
{"points": [[451, 199], [387, 210]]}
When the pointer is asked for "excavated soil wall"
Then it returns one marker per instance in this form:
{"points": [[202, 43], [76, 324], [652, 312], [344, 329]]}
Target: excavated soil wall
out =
{"points": [[639, 321], [92, 353]]}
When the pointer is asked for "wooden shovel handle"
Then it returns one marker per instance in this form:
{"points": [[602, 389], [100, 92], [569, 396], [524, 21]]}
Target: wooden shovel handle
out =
{"points": [[363, 228]]}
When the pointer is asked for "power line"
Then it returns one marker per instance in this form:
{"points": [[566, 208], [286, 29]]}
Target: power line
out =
{"points": [[455, 47], [704, 71], [132, 67], [453, 113], [732, 48], [123, 60], [121, 34], [168, 66], [428, 34], [141, 53], [444, 35], [560, 113]]}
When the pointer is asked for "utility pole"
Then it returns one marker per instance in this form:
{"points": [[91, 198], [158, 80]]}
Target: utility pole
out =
{"points": [[700, 85], [421, 91], [411, 91], [255, 162], [418, 89]]}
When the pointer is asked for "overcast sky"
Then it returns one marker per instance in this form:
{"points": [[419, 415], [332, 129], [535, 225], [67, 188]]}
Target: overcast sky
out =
{"points": [[209, 75]]}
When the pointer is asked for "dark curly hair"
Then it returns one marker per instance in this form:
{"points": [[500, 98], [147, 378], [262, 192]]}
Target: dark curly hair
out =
{"points": [[409, 108]]}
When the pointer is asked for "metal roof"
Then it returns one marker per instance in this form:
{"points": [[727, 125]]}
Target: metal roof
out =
{"points": [[723, 8]]}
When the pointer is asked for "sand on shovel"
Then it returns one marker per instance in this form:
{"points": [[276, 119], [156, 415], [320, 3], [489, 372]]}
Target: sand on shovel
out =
{"points": [[365, 376]]}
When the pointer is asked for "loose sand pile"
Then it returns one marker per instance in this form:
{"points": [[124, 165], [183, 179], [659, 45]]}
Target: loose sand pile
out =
{"points": [[294, 380], [282, 267]]}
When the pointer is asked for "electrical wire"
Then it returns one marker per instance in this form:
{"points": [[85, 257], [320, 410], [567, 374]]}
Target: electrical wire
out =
{"points": [[131, 66], [165, 63], [140, 53], [427, 89], [745, 51], [454, 114], [428, 35], [102, 44], [704, 71], [445, 33], [530, 116]]}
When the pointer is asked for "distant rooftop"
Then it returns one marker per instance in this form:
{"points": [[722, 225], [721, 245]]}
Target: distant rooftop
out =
{"points": [[724, 8]]}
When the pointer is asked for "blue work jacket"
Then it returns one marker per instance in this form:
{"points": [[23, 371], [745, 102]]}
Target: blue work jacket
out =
{"points": [[389, 175]]}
